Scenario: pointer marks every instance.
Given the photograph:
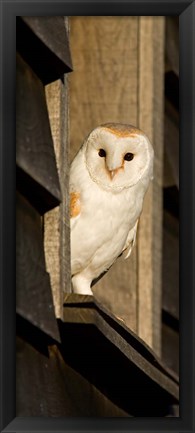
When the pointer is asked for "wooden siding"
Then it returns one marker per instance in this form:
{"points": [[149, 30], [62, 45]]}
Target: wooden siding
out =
{"points": [[170, 289]]}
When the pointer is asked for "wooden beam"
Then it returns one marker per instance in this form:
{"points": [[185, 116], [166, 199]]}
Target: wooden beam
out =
{"points": [[103, 88], [150, 115], [57, 222]]}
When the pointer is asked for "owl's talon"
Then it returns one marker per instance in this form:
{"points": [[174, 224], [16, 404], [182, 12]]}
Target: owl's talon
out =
{"points": [[81, 286]]}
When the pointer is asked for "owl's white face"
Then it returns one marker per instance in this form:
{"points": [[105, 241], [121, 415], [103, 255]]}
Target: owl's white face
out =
{"points": [[118, 156]]}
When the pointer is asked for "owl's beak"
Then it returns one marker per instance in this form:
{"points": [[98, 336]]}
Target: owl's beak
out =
{"points": [[113, 173]]}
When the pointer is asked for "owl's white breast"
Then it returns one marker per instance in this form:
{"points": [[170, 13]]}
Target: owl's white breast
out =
{"points": [[99, 233]]}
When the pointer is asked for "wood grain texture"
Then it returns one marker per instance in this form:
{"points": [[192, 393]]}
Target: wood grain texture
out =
{"points": [[34, 300], [64, 166], [51, 219], [57, 222], [118, 76], [47, 51], [105, 74], [151, 76], [37, 176]]}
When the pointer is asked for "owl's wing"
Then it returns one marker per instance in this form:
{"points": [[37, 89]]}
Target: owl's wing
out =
{"points": [[130, 242], [75, 207]]}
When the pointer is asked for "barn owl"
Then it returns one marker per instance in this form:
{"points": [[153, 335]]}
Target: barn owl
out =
{"points": [[109, 177]]}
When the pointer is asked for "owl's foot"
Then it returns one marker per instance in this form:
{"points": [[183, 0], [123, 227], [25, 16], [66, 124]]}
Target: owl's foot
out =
{"points": [[81, 285]]}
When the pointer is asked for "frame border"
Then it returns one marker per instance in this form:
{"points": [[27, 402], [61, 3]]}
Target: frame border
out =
{"points": [[186, 11]]}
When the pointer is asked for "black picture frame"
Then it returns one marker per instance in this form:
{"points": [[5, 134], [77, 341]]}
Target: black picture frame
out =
{"points": [[9, 11]]}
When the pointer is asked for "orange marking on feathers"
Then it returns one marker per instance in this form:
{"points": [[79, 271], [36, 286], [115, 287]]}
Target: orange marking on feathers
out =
{"points": [[123, 132], [75, 204]]}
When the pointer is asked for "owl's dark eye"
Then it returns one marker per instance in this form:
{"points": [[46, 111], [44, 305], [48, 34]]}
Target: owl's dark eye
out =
{"points": [[129, 156], [102, 153]]}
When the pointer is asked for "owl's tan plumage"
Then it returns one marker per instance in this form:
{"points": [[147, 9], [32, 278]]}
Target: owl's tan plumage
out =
{"points": [[109, 177]]}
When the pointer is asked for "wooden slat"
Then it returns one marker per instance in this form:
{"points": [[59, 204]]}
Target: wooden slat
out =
{"points": [[34, 299], [51, 218], [47, 48], [57, 222], [37, 176], [151, 76]]}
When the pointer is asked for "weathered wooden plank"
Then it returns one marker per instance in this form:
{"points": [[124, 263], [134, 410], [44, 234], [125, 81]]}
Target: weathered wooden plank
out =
{"points": [[34, 299], [47, 50], [37, 176], [150, 88], [51, 218], [57, 222]]}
